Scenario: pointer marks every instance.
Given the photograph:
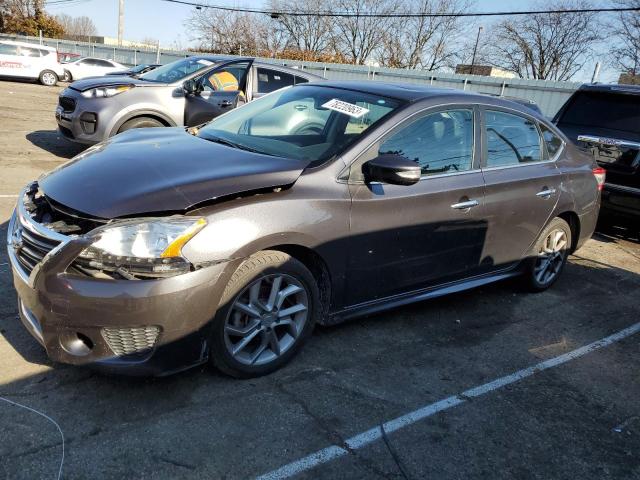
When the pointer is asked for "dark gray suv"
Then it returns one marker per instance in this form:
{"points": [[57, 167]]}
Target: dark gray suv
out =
{"points": [[164, 248], [188, 92]]}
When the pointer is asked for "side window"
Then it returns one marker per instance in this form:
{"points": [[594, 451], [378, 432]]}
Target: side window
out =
{"points": [[102, 63], [552, 142], [29, 52], [511, 139], [440, 142], [272, 80], [299, 80], [8, 49], [229, 79]]}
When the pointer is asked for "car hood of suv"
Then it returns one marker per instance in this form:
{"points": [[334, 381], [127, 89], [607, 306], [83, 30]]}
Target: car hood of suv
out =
{"points": [[158, 170], [110, 80]]}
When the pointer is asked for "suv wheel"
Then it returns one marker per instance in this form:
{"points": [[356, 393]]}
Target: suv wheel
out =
{"points": [[267, 312], [48, 78], [140, 122], [549, 256]]}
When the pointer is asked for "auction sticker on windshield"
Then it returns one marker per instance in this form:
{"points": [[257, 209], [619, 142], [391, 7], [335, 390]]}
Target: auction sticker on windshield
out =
{"points": [[346, 108]]}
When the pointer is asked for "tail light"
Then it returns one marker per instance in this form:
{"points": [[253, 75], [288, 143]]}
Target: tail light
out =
{"points": [[600, 174]]}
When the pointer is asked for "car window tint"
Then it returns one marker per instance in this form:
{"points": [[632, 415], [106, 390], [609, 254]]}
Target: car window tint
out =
{"points": [[29, 52], [8, 49], [300, 80], [612, 110], [102, 63], [440, 142], [272, 80], [552, 142], [511, 139]]}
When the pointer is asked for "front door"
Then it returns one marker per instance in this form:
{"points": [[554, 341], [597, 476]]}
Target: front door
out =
{"points": [[522, 185], [406, 238], [221, 90]]}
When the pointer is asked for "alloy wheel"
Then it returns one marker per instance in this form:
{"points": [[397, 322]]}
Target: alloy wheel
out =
{"points": [[266, 319], [551, 256], [49, 79]]}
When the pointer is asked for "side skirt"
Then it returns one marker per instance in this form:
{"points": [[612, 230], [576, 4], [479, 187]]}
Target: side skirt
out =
{"points": [[387, 303]]}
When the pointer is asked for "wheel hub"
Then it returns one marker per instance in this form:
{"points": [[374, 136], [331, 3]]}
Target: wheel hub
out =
{"points": [[266, 319]]}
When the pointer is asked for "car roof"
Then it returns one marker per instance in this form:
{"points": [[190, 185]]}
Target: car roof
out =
{"points": [[27, 44], [611, 88], [256, 61], [411, 92]]}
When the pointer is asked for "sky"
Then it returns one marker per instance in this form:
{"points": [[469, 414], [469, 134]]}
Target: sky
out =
{"points": [[164, 21]]}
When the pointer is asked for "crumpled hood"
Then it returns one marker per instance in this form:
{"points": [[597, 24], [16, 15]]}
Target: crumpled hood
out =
{"points": [[111, 80], [158, 170]]}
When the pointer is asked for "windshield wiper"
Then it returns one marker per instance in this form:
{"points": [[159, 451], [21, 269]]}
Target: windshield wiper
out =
{"points": [[229, 143]]}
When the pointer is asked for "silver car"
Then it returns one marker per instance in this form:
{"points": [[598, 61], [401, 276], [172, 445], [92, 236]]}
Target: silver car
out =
{"points": [[187, 92]]}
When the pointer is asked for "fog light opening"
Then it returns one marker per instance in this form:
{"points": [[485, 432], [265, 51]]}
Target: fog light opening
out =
{"points": [[76, 343]]}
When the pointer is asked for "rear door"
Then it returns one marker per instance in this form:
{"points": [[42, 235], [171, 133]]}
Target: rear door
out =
{"points": [[222, 89], [522, 185]]}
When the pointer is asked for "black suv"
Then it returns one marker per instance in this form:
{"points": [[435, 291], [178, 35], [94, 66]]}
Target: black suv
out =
{"points": [[606, 120]]}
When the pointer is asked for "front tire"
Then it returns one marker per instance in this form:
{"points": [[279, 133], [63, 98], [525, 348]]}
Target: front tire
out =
{"points": [[140, 122], [48, 78], [548, 256], [267, 312]]}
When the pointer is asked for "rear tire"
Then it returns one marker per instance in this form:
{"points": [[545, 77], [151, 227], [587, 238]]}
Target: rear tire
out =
{"points": [[67, 76], [48, 78], [140, 122], [270, 306], [548, 256]]}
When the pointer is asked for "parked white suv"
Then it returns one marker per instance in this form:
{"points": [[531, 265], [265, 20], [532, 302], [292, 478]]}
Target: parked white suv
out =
{"points": [[29, 60]]}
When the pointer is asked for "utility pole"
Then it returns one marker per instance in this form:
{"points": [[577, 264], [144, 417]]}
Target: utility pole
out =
{"points": [[596, 73], [120, 22], [475, 49]]}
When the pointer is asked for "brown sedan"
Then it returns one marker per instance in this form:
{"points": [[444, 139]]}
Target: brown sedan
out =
{"points": [[160, 249]]}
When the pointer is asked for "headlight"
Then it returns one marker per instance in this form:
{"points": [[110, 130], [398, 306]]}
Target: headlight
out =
{"points": [[101, 92], [142, 249]]}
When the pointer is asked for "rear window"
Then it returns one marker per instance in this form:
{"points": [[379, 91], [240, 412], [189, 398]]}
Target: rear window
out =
{"points": [[605, 110]]}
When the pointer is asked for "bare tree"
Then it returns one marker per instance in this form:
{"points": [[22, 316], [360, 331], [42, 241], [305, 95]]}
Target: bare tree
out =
{"points": [[309, 34], [548, 46], [358, 36], [77, 28], [626, 30], [424, 42], [223, 32]]}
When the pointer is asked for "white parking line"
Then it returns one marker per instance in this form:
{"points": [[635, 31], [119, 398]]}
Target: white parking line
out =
{"points": [[8, 196], [361, 440]]}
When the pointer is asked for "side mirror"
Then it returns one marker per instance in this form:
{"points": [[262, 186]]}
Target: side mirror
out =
{"points": [[393, 169], [192, 87]]}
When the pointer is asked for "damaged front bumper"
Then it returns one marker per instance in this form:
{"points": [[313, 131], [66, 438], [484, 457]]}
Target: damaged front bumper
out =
{"points": [[147, 327]]}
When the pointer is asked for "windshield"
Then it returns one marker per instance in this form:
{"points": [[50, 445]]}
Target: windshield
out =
{"points": [[176, 71], [310, 123], [604, 110]]}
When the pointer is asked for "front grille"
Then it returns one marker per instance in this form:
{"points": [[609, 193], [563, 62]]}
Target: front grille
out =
{"points": [[131, 341], [68, 104], [31, 247]]}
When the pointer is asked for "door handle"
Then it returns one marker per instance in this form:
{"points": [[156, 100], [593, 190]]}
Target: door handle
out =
{"points": [[465, 205], [546, 192], [225, 103]]}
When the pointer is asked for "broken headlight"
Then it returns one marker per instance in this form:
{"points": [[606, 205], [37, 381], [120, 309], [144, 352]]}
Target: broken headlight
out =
{"points": [[151, 248]]}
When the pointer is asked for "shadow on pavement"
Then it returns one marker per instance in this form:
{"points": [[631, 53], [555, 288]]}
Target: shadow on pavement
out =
{"points": [[54, 142]]}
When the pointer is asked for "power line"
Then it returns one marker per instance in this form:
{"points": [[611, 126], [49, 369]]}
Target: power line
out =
{"points": [[328, 13]]}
